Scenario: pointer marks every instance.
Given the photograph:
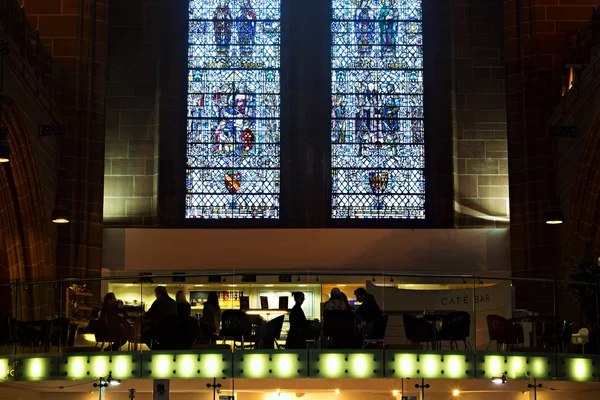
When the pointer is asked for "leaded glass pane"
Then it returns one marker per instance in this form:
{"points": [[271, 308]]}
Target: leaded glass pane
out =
{"points": [[377, 136], [233, 109]]}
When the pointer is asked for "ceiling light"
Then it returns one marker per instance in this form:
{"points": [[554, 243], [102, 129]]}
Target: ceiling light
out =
{"points": [[269, 285], [198, 285], [337, 391], [395, 393], [409, 285], [342, 285], [455, 392], [232, 285], [129, 284], [302, 285]]}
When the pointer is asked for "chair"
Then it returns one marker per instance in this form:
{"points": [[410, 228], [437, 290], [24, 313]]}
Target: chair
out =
{"points": [[377, 335], [557, 334], [58, 334], [418, 330], [236, 325], [505, 332], [270, 333], [581, 338], [8, 333], [456, 327], [339, 329]]}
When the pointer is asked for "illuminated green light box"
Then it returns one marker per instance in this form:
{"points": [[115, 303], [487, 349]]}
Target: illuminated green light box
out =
{"points": [[579, 369], [358, 364], [4, 368], [186, 365], [85, 366], [291, 364], [37, 369], [270, 364], [438, 366], [514, 366]]}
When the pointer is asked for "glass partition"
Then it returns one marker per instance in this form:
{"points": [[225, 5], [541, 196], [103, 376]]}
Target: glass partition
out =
{"points": [[400, 313]]}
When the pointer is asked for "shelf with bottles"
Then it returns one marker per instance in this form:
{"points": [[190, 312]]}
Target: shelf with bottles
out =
{"points": [[228, 299]]}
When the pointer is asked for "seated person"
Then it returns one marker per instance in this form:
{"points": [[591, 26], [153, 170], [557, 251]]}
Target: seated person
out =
{"points": [[184, 309], [114, 325], [368, 311], [335, 302], [211, 315], [300, 328], [162, 307]]}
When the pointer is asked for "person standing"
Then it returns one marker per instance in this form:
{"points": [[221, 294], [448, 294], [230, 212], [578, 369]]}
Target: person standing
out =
{"points": [[184, 309], [211, 315]]}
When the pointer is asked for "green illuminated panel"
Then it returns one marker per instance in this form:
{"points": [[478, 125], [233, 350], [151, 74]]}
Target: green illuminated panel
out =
{"points": [[328, 364], [493, 366], [438, 366], [579, 369], [4, 368], [457, 366], [80, 366], [270, 364], [36, 369], [186, 365], [356, 364]]}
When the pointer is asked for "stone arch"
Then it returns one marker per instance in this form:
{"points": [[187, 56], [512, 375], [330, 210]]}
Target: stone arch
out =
{"points": [[583, 221], [24, 230]]}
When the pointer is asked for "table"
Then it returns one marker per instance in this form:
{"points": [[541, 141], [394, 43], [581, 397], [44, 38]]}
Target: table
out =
{"points": [[434, 318]]}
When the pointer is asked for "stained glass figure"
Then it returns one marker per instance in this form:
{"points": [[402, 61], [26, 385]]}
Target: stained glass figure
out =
{"points": [[377, 135], [233, 109]]}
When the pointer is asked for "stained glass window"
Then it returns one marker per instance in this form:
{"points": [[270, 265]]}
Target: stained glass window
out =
{"points": [[377, 137], [233, 109]]}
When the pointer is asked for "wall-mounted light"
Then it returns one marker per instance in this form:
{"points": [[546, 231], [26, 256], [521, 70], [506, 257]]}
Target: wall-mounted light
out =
{"points": [[499, 380], [456, 393], [554, 216], [60, 215], [4, 149]]}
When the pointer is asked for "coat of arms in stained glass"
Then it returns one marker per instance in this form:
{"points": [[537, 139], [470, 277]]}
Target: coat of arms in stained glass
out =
{"points": [[233, 109], [377, 133]]}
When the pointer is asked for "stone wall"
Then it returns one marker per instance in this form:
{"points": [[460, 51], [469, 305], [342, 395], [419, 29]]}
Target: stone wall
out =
{"points": [[131, 160], [481, 158]]}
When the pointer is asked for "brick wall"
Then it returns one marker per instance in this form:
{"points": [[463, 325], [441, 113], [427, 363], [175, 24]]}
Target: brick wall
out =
{"points": [[131, 160], [535, 35], [77, 34], [481, 159]]}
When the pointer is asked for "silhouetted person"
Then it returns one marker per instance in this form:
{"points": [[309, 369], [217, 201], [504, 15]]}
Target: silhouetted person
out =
{"points": [[335, 302], [211, 315], [345, 300], [368, 311], [113, 324], [300, 328], [184, 309], [162, 307]]}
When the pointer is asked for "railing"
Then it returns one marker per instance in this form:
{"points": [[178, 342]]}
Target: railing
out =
{"points": [[16, 28], [47, 333]]}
